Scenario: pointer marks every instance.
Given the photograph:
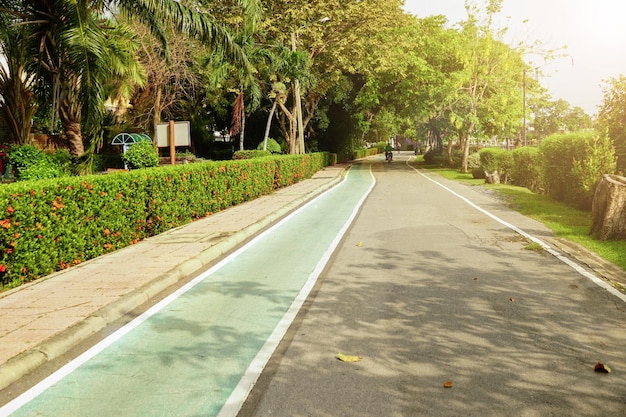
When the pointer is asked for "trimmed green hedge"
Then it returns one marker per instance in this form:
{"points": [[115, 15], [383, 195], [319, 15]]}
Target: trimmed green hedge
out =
{"points": [[573, 163], [526, 168], [50, 225], [566, 167], [250, 154]]}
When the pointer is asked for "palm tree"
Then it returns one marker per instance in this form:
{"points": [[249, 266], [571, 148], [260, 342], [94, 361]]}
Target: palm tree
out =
{"points": [[18, 105], [70, 39]]}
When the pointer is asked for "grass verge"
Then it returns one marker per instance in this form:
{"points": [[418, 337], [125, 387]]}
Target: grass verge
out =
{"points": [[564, 221]]}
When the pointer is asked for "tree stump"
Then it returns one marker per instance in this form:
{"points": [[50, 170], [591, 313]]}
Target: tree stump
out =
{"points": [[609, 208], [492, 177]]}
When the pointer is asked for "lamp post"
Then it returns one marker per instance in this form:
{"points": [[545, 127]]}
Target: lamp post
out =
{"points": [[296, 92]]}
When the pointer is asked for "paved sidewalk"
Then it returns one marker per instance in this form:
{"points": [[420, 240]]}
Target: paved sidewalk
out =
{"points": [[44, 319]]}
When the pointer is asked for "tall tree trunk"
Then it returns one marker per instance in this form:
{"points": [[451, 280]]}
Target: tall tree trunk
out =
{"points": [[243, 128], [238, 119], [69, 113], [449, 152], [17, 109], [269, 124], [292, 133], [156, 111], [466, 147]]}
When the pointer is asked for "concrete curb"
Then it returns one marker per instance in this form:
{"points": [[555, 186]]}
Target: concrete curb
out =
{"points": [[27, 361]]}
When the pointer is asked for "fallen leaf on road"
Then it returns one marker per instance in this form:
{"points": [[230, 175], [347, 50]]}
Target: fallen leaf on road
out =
{"points": [[359, 244], [447, 384], [600, 367], [512, 299], [348, 358]]}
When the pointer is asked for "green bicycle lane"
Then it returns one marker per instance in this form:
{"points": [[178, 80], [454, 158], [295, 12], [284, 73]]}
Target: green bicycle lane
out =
{"points": [[199, 351]]}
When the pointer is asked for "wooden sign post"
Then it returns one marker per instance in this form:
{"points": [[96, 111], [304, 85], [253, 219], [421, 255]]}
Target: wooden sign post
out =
{"points": [[172, 140]]}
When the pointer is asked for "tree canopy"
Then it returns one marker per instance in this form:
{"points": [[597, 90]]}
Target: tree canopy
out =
{"points": [[364, 70]]}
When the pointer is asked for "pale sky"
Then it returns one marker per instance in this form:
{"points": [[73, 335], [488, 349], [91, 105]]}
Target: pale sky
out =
{"points": [[593, 30]]}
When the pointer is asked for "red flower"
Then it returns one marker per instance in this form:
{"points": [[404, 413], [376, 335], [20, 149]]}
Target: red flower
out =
{"points": [[10, 209], [3, 269]]}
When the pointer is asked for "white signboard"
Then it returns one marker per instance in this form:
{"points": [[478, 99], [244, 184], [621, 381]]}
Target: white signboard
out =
{"points": [[182, 134]]}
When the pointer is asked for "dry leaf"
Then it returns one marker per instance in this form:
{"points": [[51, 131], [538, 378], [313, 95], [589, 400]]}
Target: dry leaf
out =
{"points": [[359, 244], [600, 367], [447, 384], [512, 299], [348, 358]]}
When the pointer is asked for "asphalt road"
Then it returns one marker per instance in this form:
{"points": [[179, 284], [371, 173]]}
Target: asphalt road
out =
{"points": [[427, 280], [429, 289]]}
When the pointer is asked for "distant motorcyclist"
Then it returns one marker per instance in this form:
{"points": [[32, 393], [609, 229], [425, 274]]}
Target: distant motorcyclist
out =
{"points": [[389, 152]]}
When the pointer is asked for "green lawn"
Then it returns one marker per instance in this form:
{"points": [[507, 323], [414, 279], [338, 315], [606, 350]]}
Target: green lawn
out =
{"points": [[566, 222]]}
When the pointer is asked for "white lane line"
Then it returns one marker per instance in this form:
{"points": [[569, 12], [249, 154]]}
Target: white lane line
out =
{"points": [[61, 373], [242, 390], [575, 266]]}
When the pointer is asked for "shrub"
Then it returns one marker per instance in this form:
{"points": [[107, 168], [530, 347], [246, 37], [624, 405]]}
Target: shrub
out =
{"points": [[272, 146], [62, 158], [46, 169], [473, 161], [526, 168], [51, 225], [599, 160], [251, 154], [141, 155], [560, 154], [23, 156], [435, 157], [381, 147], [496, 160], [31, 163], [292, 168], [473, 165]]}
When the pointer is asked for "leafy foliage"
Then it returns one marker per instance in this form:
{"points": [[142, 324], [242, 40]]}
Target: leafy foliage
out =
{"points": [[599, 160], [496, 160], [272, 146], [572, 164], [526, 168], [141, 155], [251, 154], [612, 117], [31, 163]]}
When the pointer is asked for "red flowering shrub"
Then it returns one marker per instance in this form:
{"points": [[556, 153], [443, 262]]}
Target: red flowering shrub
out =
{"points": [[49, 225]]}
